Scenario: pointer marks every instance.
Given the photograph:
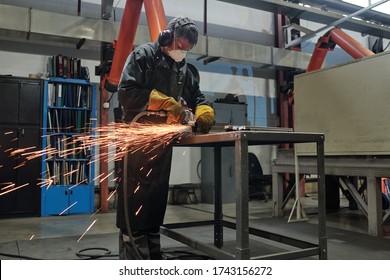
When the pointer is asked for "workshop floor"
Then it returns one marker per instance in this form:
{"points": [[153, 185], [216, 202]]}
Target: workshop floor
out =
{"points": [[65, 237]]}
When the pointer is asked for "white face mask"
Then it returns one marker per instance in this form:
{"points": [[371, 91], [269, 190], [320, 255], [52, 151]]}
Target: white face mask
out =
{"points": [[177, 55]]}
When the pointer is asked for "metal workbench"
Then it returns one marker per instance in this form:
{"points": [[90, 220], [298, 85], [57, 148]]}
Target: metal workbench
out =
{"points": [[241, 140]]}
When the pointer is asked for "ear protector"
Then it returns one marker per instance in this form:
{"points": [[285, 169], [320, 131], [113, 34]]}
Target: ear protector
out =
{"points": [[165, 37]]}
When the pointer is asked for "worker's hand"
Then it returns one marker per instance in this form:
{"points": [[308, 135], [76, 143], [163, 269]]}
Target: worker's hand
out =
{"points": [[205, 118], [159, 101]]}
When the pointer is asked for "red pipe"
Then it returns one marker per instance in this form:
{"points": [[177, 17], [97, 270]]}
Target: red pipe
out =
{"points": [[155, 15], [350, 45], [327, 42], [123, 46], [317, 58], [126, 38]]}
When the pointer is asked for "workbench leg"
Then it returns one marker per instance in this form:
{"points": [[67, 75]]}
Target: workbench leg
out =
{"points": [[218, 215], [277, 194], [322, 239], [242, 197], [374, 205]]}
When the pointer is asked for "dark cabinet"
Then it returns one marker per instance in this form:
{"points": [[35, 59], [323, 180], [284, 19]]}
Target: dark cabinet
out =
{"points": [[20, 128]]}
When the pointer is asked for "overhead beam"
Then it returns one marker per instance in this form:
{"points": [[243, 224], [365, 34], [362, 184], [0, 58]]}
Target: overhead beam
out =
{"points": [[293, 10], [29, 25], [334, 24], [348, 8]]}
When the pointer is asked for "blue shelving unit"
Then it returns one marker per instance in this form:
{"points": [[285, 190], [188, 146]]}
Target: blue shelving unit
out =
{"points": [[67, 167]]}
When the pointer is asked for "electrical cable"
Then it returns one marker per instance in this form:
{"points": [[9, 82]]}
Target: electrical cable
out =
{"points": [[80, 254], [124, 188], [86, 256], [126, 206], [187, 255]]}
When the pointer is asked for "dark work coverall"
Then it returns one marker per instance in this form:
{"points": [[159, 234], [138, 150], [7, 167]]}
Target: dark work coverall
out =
{"points": [[147, 68]]}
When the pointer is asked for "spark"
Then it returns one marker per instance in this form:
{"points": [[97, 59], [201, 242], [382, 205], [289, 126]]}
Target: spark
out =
{"points": [[71, 172], [104, 178], [94, 213], [32, 236], [20, 165], [116, 179], [150, 171], [79, 183], [120, 139], [18, 151], [14, 189], [8, 132], [136, 190], [139, 209], [152, 158], [46, 182], [87, 230], [97, 177], [67, 208], [11, 185], [133, 137], [112, 193]]}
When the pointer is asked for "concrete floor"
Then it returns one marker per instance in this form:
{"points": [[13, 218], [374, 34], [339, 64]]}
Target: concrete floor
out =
{"points": [[65, 237]]}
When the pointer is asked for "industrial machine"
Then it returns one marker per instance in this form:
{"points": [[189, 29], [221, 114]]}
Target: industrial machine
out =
{"points": [[346, 102], [327, 43]]}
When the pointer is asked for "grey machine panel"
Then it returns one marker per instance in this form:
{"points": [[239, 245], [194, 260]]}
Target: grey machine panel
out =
{"points": [[349, 103]]}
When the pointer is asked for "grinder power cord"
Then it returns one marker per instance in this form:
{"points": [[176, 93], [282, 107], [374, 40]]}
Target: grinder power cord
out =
{"points": [[187, 120]]}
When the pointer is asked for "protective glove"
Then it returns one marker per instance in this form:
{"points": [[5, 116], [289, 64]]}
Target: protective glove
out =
{"points": [[205, 118], [159, 101]]}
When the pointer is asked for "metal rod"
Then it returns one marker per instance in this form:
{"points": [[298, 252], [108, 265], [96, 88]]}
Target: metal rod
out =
{"points": [[242, 196], [205, 18], [333, 24]]}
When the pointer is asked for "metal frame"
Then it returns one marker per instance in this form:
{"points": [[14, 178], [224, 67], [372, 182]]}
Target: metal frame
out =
{"points": [[373, 168], [241, 140], [333, 24], [376, 26]]}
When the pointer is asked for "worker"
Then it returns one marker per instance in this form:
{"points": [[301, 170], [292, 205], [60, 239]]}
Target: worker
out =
{"points": [[156, 77]]}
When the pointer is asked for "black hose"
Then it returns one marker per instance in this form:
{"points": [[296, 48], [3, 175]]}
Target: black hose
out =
{"points": [[107, 253]]}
